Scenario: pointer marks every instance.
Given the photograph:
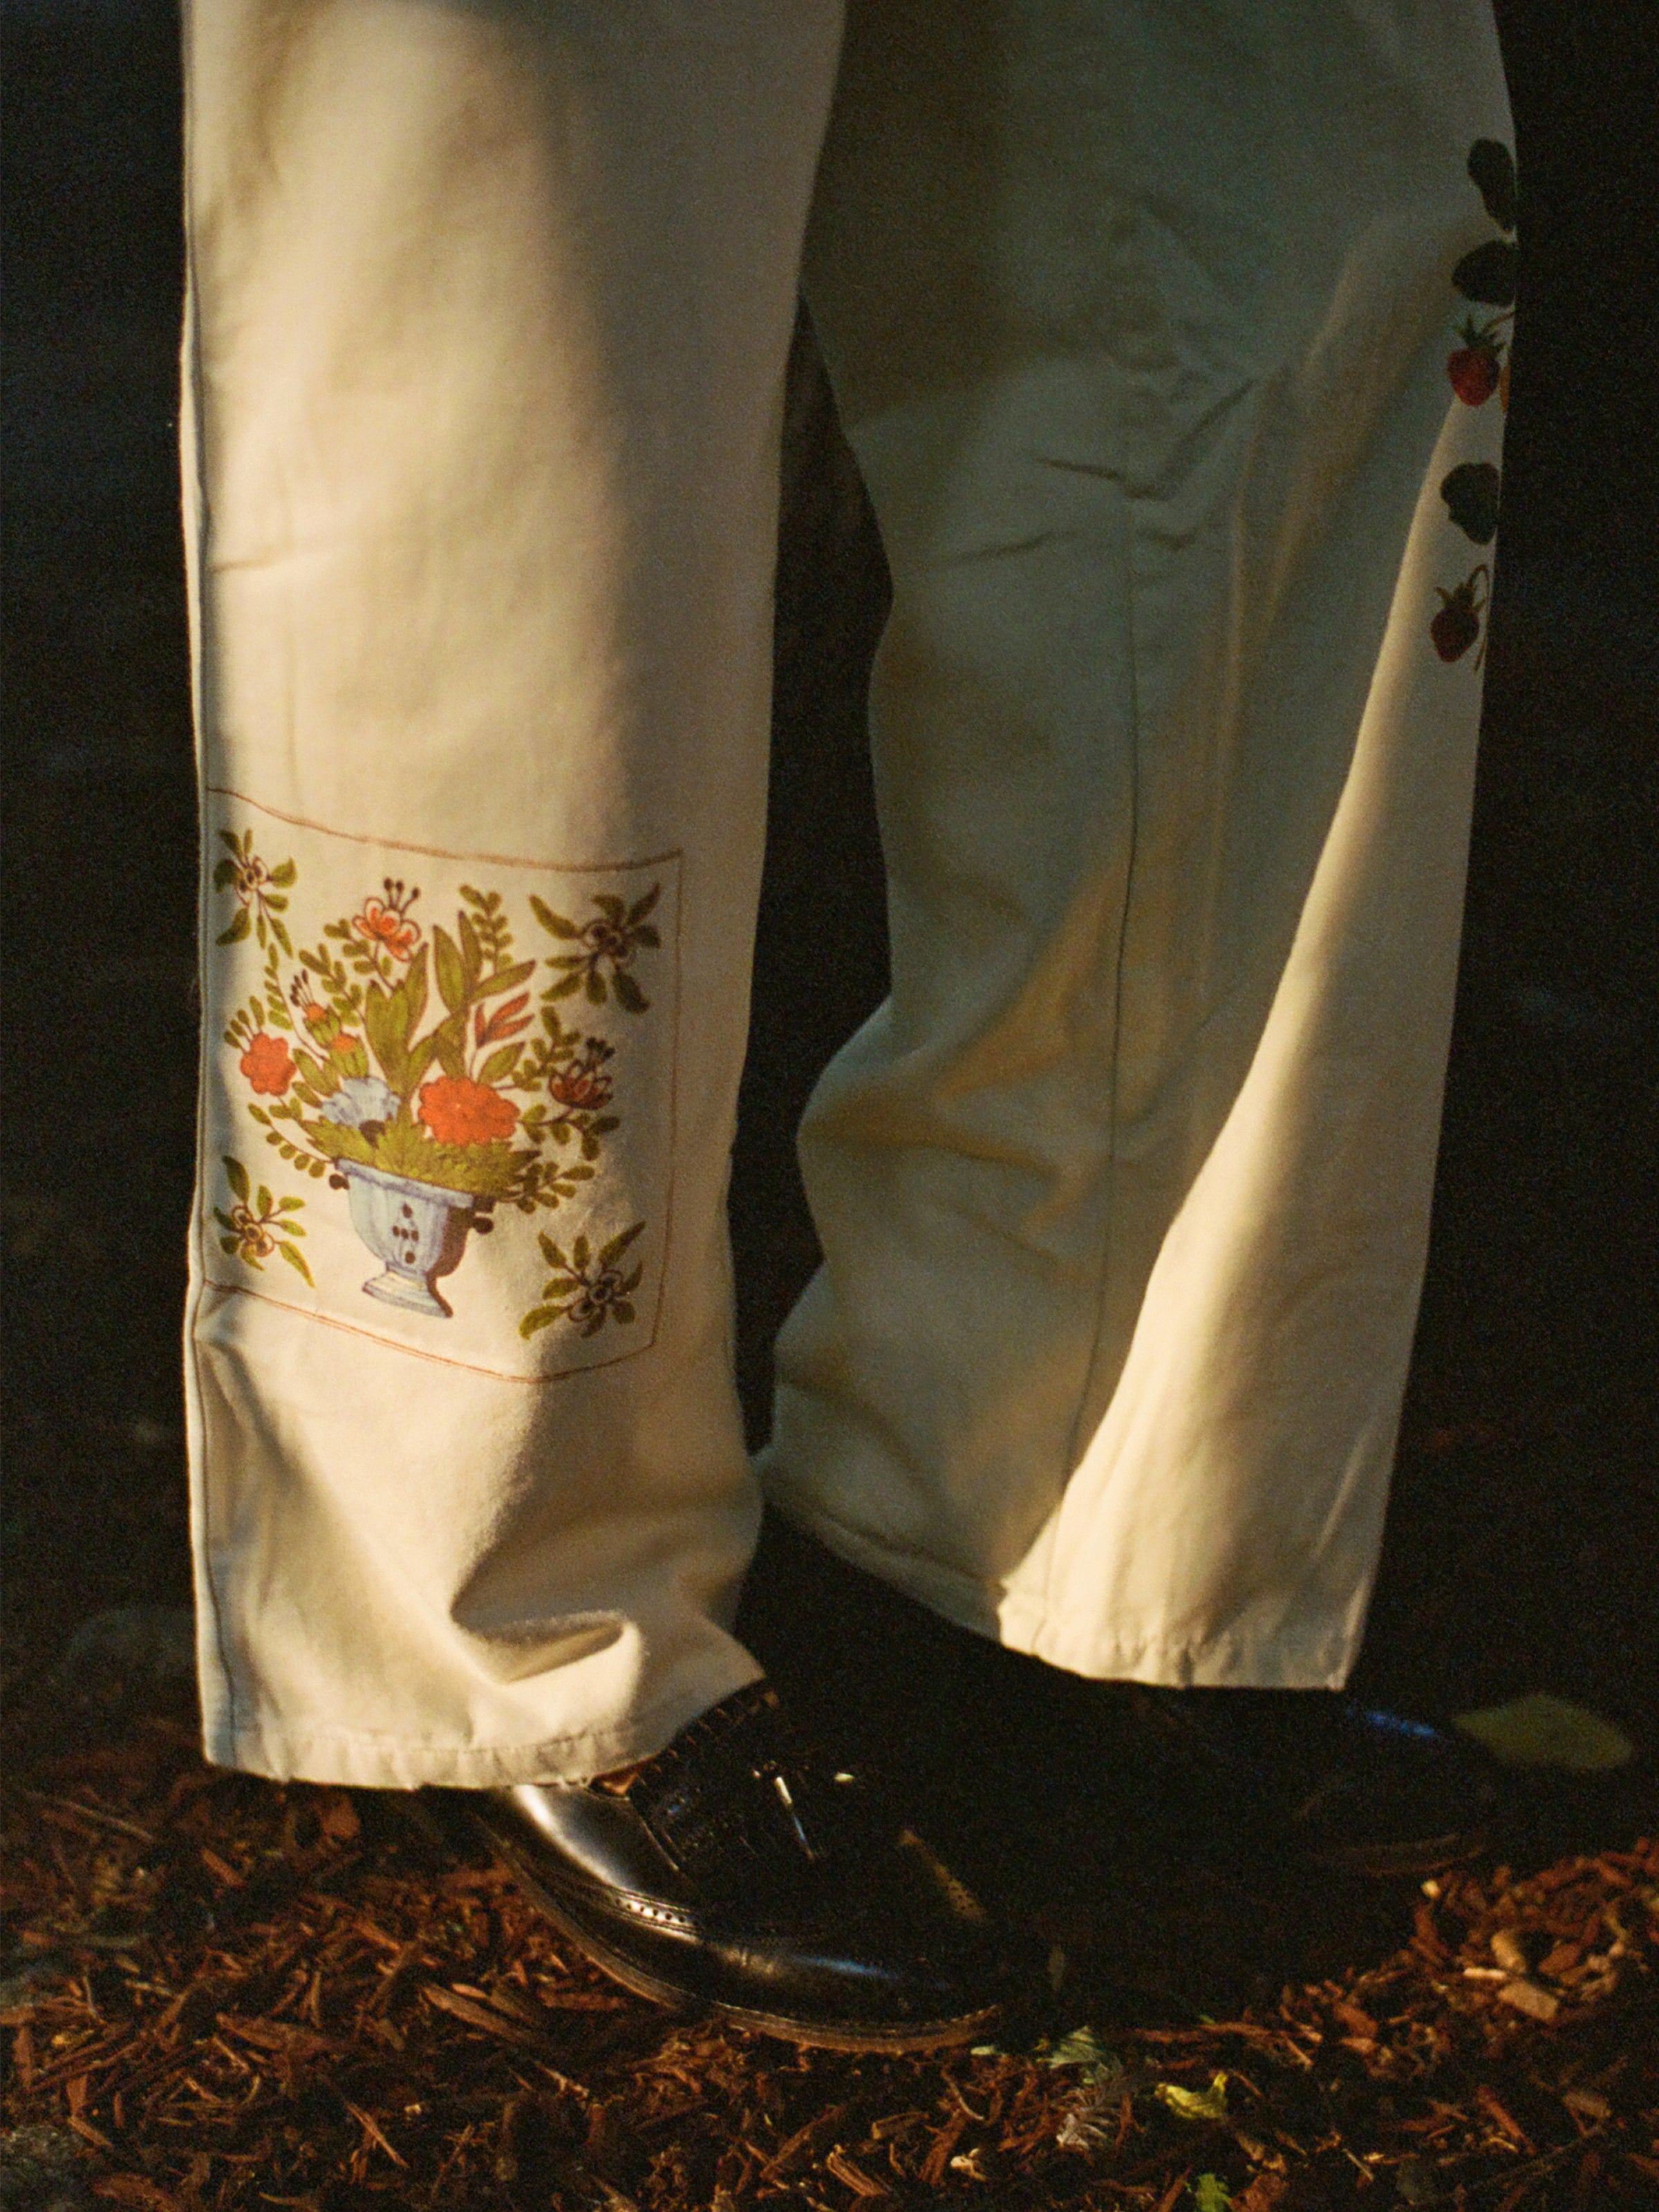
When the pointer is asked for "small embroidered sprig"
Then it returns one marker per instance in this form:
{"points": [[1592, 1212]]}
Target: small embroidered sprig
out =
{"points": [[588, 1289], [260, 892], [607, 947], [258, 1225]]}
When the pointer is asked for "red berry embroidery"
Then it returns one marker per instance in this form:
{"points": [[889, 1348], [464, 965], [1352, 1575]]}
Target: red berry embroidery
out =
{"points": [[1475, 371], [1457, 625]]}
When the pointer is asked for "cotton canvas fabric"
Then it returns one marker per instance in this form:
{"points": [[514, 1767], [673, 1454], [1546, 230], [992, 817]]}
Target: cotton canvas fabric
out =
{"points": [[1139, 319]]}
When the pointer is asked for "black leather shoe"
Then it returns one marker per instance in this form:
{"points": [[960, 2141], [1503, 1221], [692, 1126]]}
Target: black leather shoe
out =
{"points": [[737, 1870], [1317, 1773]]}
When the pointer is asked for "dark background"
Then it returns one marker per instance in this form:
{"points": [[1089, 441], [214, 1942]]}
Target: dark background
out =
{"points": [[1520, 1546]]}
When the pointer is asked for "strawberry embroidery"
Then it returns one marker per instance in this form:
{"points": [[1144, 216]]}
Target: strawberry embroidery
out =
{"points": [[1487, 276], [1457, 625], [1478, 366]]}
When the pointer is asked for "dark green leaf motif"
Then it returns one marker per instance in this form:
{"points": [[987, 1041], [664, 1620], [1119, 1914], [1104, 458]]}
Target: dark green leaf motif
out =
{"points": [[1491, 167], [1470, 492], [1488, 274]]}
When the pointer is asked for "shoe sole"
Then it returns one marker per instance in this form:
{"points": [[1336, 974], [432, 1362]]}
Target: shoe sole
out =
{"points": [[831, 2035], [1427, 1854]]}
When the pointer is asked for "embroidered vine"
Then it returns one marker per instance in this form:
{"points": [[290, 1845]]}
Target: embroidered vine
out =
{"points": [[1478, 368]]}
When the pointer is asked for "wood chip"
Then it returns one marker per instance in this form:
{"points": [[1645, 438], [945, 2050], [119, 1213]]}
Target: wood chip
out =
{"points": [[854, 2176], [1560, 1960], [1526, 1996], [371, 2128], [477, 2012], [790, 2149], [401, 2012], [1510, 1951], [1589, 2103], [1495, 2109], [937, 2164], [135, 2190]]}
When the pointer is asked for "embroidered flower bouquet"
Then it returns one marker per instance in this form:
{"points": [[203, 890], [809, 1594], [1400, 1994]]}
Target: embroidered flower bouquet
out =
{"points": [[416, 1073]]}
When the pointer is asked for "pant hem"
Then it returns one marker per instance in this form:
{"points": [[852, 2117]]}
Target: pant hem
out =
{"points": [[362, 1759], [1237, 1659]]}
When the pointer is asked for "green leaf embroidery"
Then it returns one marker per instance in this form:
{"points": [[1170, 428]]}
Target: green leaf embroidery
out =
{"points": [[384, 1036], [505, 979], [296, 1261], [411, 995], [611, 1253], [1488, 274], [447, 963], [555, 924], [500, 1064], [1470, 491], [1492, 169]]}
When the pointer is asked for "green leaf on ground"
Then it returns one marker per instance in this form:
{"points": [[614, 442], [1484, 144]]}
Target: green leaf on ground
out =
{"points": [[1082, 2047], [1209, 2104], [1212, 2194], [1540, 1730]]}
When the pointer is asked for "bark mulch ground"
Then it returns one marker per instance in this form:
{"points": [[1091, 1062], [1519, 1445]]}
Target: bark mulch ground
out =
{"points": [[218, 1992]]}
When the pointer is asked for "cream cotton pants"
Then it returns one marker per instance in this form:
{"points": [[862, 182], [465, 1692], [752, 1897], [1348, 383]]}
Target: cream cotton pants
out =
{"points": [[1168, 337]]}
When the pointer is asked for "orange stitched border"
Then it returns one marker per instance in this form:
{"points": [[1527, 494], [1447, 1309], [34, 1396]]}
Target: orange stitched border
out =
{"points": [[391, 1343], [439, 852]]}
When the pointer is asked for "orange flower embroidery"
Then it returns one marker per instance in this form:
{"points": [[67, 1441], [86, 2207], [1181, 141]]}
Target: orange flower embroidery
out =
{"points": [[386, 923], [344, 1045], [459, 1111], [579, 1088], [268, 1064]]}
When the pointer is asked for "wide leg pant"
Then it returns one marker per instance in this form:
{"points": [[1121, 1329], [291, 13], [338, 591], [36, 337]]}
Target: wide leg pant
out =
{"points": [[1140, 315]]}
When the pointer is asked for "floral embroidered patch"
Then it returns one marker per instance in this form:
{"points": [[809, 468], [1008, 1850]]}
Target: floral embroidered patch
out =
{"points": [[453, 1048], [1477, 367]]}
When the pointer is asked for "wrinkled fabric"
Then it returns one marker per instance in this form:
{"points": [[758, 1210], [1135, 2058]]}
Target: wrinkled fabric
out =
{"points": [[1139, 320]]}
